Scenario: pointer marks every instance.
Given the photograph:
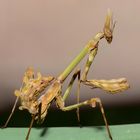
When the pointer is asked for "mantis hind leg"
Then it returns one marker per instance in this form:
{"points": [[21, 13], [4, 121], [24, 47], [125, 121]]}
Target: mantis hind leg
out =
{"points": [[31, 124], [12, 112]]}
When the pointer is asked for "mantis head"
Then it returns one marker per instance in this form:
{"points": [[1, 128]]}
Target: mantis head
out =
{"points": [[109, 27]]}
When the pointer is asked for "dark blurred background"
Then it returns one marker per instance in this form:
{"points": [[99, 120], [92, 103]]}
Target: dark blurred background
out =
{"points": [[48, 34]]}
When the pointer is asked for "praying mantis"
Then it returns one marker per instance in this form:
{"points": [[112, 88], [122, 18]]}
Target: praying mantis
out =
{"points": [[37, 104]]}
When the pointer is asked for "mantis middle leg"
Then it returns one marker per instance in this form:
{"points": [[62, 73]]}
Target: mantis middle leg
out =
{"points": [[67, 92], [91, 102]]}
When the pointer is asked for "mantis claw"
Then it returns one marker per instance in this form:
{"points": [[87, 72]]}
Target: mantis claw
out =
{"points": [[111, 86]]}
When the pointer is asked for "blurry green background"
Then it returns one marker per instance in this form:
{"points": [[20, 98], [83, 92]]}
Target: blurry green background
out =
{"points": [[49, 34]]}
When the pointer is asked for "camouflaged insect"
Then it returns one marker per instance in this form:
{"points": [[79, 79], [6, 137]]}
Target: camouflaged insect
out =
{"points": [[36, 99]]}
